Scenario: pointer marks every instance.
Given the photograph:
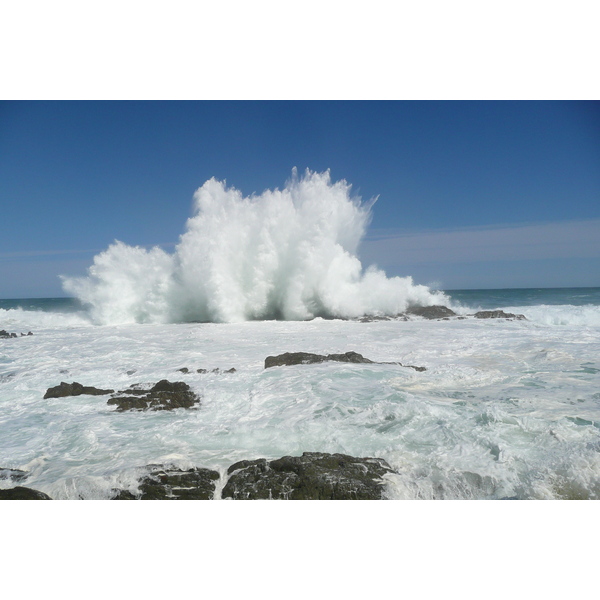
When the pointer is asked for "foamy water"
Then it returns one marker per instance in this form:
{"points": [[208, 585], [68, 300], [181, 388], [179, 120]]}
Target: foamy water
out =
{"points": [[505, 408]]}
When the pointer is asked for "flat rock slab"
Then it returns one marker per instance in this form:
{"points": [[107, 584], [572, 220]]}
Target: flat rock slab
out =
{"points": [[312, 476], [306, 358], [497, 314], [174, 484], [23, 493], [165, 395], [74, 389]]}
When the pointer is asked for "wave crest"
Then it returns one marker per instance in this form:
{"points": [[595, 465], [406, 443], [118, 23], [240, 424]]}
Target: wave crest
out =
{"points": [[284, 254]]}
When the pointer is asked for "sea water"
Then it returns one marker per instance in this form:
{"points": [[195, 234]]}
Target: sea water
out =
{"points": [[505, 408]]}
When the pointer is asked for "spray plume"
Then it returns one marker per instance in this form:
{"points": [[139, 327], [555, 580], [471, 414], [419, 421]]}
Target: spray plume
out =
{"points": [[285, 254]]}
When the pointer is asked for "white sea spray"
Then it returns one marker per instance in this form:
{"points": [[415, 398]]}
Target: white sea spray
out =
{"points": [[284, 254]]}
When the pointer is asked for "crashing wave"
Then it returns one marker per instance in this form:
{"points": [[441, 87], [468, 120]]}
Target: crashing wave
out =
{"points": [[284, 254]]}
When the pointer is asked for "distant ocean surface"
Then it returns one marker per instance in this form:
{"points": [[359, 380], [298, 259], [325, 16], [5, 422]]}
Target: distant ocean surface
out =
{"points": [[505, 408]]}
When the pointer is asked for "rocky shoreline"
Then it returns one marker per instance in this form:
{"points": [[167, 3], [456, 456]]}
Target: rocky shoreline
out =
{"points": [[312, 476]]}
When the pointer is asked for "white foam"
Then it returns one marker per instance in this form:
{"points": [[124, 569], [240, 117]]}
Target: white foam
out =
{"points": [[21, 321], [560, 314], [284, 254]]}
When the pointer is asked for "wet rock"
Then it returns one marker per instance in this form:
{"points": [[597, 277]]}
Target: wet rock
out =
{"points": [[6, 334], [163, 483], [164, 395], [312, 476], [372, 318], [74, 389], [431, 312], [306, 358], [497, 314], [13, 474], [23, 493], [185, 370]]}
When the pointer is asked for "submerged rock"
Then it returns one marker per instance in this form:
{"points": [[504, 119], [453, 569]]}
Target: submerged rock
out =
{"points": [[6, 334], [13, 474], [164, 395], [312, 476], [74, 389], [185, 370], [163, 483], [306, 358], [23, 493], [497, 314], [431, 312]]}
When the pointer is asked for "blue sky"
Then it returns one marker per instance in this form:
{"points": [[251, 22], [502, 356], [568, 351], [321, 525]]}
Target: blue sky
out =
{"points": [[471, 194]]}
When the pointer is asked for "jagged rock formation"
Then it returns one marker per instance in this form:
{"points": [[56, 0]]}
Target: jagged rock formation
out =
{"points": [[431, 312], [312, 476], [164, 395], [164, 483]]}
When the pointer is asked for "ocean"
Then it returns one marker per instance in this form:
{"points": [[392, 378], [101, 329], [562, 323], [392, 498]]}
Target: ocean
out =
{"points": [[500, 408], [505, 408]]}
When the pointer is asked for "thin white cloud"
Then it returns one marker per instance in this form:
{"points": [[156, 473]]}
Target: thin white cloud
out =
{"points": [[42, 253], [569, 239]]}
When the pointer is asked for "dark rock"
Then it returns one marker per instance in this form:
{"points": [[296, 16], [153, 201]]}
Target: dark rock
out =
{"points": [[497, 314], [204, 371], [13, 474], [74, 389], [173, 484], [6, 334], [165, 395], [23, 493], [305, 358], [312, 476], [431, 312], [372, 318]]}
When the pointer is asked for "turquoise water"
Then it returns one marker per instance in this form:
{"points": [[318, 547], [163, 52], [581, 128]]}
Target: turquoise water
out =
{"points": [[60, 305], [489, 299]]}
